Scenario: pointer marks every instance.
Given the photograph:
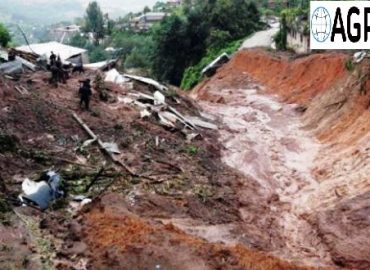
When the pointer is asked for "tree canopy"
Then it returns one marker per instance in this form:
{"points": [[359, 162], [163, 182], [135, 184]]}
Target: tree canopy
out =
{"points": [[182, 40], [94, 21]]}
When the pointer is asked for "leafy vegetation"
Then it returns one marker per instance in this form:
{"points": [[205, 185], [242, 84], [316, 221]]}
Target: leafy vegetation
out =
{"points": [[193, 74], [94, 21], [4, 36], [349, 65], [79, 40], [97, 54], [182, 40], [191, 150], [289, 19], [134, 48], [281, 36]]}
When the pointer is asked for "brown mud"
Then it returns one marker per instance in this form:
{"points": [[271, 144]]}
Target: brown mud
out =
{"points": [[299, 128]]}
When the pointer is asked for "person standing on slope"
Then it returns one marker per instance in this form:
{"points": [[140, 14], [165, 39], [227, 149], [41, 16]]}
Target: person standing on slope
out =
{"points": [[85, 93]]}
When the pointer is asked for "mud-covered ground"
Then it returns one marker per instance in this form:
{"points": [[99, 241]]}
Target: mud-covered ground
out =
{"points": [[131, 223], [299, 128], [265, 191]]}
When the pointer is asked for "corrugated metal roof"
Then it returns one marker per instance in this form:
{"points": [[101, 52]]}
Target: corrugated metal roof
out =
{"points": [[63, 50]]}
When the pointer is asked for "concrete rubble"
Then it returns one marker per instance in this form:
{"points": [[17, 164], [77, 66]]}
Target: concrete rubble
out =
{"points": [[168, 116]]}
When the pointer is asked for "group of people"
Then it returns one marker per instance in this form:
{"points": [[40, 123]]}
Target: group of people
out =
{"points": [[60, 73]]}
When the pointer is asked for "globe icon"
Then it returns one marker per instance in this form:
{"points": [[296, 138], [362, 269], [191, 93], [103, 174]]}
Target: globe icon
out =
{"points": [[321, 24]]}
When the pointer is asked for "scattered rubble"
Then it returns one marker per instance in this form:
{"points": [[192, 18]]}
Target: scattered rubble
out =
{"points": [[359, 56], [43, 192], [147, 81], [103, 65]]}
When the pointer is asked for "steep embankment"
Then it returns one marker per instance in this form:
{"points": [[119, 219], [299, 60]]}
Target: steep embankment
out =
{"points": [[311, 166], [295, 81]]}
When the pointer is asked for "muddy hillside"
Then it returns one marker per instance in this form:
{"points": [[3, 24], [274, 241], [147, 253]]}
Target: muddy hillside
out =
{"points": [[263, 166], [299, 129]]}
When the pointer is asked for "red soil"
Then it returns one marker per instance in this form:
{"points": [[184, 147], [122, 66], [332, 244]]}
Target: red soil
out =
{"points": [[337, 113], [295, 81], [115, 235]]}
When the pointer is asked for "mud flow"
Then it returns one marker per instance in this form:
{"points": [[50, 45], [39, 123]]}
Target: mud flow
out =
{"points": [[263, 139], [294, 142]]}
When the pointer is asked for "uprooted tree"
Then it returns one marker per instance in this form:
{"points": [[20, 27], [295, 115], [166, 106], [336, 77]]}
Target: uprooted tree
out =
{"points": [[5, 37]]}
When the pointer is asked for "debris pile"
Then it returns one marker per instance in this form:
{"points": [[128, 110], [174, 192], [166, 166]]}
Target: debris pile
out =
{"points": [[150, 103], [116, 148], [41, 192]]}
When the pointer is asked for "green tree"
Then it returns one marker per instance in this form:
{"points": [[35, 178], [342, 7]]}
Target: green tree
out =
{"points": [[78, 41], [160, 7], [183, 39], [5, 37], [178, 43], [136, 59], [170, 49], [109, 24], [146, 9], [281, 37], [218, 38], [94, 21], [238, 17], [97, 54]]}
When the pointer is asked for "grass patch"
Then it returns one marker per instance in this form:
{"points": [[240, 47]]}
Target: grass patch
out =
{"points": [[191, 150], [349, 65]]}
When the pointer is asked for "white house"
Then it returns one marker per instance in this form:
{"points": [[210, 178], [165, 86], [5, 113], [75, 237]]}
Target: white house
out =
{"points": [[146, 21], [67, 53]]}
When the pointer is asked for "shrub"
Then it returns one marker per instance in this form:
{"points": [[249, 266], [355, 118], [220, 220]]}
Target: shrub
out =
{"points": [[4, 36], [349, 65], [193, 75]]}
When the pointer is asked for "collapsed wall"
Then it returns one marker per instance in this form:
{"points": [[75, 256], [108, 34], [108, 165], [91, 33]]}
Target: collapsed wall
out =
{"points": [[334, 105]]}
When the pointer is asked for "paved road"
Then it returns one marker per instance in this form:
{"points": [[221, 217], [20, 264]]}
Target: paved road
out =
{"points": [[261, 39]]}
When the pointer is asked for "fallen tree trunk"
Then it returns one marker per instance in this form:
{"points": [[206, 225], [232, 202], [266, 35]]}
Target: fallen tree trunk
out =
{"points": [[101, 146], [93, 181]]}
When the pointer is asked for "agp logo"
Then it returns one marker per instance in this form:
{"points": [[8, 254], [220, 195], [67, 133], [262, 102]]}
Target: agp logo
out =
{"points": [[321, 24], [340, 25]]}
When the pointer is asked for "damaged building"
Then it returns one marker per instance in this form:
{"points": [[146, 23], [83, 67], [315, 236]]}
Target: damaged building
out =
{"points": [[67, 53]]}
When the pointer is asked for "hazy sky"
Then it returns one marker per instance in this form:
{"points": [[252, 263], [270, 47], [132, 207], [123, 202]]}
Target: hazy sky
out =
{"points": [[53, 11], [109, 6]]}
